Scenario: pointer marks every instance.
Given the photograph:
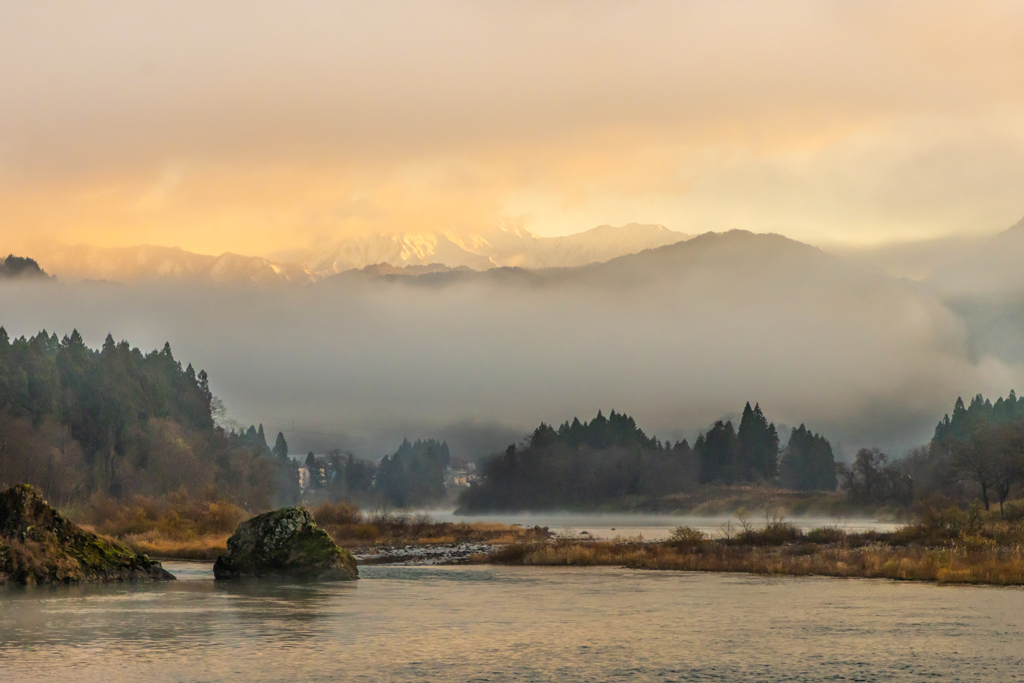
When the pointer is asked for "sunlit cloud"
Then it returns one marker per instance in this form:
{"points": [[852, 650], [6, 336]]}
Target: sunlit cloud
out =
{"points": [[232, 128]]}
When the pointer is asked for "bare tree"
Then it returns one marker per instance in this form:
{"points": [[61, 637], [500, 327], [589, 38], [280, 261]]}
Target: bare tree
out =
{"points": [[993, 457]]}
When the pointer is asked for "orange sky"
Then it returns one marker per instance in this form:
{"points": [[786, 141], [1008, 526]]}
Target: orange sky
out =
{"points": [[256, 127]]}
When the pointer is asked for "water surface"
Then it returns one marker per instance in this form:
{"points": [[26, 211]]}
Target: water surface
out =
{"points": [[513, 624], [652, 527]]}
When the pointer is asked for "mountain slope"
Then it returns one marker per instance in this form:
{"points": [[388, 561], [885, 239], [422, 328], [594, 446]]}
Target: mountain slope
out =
{"points": [[986, 288], [147, 263], [737, 256], [480, 250], [994, 268], [498, 246], [679, 336]]}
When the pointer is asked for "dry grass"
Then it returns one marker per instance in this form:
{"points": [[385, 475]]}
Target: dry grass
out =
{"points": [[946, 546], [155, 545], [430, 533], [351, 528], [997, 566], [178, 527], [175, 517]]}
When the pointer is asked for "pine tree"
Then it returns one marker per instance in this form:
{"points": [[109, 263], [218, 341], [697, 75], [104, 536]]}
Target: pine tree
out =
{"points": [[750, 444], [759, 445], [808, 462], [719, 454], [261, 442], [281, 447]]}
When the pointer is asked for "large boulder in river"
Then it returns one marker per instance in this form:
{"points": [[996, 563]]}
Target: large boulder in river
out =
{"points": [[284, 543], [39, 545]]}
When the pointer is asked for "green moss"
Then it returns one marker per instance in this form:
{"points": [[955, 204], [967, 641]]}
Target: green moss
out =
{"points": [[41, 546], [284, 542]]}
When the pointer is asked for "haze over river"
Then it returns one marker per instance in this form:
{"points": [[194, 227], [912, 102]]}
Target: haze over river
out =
{"points": [[512, 624], [652, 527]]}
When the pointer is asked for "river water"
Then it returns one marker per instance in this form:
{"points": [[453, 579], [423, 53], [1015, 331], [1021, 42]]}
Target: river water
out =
{"points": [[513, 624], [651, 527]]}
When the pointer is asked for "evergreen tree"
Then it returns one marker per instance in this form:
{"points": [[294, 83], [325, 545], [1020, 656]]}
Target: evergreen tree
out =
{"points": [[759, 445], [127, 423], [280, 447], [261, 441], [719, 452], [808, 463], [414, 474], [979, 444]]}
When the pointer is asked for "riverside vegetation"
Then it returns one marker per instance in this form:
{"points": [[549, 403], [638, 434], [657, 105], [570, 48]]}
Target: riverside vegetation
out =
{"points": [[946, 546], [181, 527], [38, 545], [128, 443]]}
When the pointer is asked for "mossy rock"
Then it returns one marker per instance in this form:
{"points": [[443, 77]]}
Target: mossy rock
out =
{"points": [[39, 545], [285, 543]]}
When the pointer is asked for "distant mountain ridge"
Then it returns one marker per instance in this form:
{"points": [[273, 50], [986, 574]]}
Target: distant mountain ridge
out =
{"points": [[681, 331], [427, 252], [711, 253], [498, 246], [994, 268], [145, 263]]}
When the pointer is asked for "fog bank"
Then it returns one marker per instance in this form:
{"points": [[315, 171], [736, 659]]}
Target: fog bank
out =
{"points": [[677, 337]]}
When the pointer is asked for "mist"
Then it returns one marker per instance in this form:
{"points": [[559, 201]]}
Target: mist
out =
{"points": [[676, 337]]}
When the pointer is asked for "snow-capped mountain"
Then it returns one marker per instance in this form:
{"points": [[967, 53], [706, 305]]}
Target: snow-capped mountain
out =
{"points": [[477, 250], [480, 250]]}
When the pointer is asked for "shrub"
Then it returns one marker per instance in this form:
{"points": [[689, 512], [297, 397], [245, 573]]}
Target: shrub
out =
{"points": [[687, 538], [514, 553], [340, 514], [826, 535], [775, 532]]}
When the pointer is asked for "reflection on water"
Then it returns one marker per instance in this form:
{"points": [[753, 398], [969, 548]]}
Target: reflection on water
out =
{"points": [[651, 527], [512, 624]]}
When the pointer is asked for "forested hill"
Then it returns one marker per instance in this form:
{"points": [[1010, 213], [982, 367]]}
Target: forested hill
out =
{"points": [[116, 421], [585, 464], [19, 267]]}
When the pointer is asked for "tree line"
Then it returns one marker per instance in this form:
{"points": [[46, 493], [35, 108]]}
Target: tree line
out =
{"points": [[412, 476], [975, 454], [115, 421], [20, 267], [590, 463]]}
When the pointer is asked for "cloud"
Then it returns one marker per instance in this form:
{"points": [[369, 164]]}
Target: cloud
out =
{"points": [[677, 337], [253, 129]]}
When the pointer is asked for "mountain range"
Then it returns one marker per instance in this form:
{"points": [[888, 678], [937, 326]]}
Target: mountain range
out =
{"points": [[992, 268], [498, 246], [680, 334]]}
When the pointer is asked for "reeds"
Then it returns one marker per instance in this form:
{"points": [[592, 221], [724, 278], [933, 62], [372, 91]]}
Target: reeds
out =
{"points": [[997, 566], [178, 527], [352, 528]]}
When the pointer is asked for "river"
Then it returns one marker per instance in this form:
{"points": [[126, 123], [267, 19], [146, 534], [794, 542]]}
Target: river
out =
{"points": [[651, 527], [512, 624]]}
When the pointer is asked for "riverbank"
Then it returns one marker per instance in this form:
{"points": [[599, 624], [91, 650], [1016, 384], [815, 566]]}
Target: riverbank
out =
{"points": [[950, 546], [380, 537], [719, 501], [435, 543]]}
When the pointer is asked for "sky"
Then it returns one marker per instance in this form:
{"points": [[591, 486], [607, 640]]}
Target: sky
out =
{"points": [[258, 127]]}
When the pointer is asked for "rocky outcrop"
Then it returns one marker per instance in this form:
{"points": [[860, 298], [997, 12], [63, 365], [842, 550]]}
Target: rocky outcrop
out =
{"points": [[284, 543], [38, 545]]}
